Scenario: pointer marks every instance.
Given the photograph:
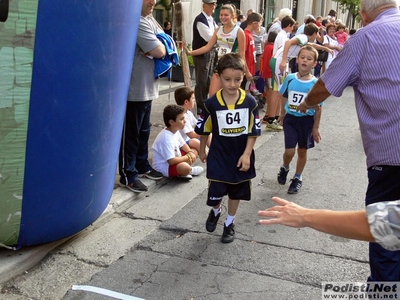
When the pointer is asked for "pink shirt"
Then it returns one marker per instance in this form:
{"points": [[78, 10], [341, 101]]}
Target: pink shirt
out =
{"points": [[341, 37]]}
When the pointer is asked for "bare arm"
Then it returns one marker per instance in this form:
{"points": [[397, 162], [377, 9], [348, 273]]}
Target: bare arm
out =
{"points": [[347, 224], [316, 95], [320, 47], [192, 135], [315, 130], [158, 52], [203, 143], [244, 160], [181, 159], [333, 47], [286, 47], [206, 48], [242, 50]]}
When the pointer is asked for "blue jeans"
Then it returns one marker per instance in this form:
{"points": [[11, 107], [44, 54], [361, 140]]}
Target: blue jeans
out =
{"points": [[384, 185], [134, 150]]}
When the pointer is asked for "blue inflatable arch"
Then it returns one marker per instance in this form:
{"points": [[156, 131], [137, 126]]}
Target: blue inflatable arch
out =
{"points": [[64, 74]]}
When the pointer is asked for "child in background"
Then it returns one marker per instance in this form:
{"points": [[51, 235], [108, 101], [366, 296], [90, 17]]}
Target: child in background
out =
{"points": [[277, 76], [231, 116], [184, 96], [318, 21], [300, 129], [171, 155], [266, 71], [253, 24], [341, 34]]}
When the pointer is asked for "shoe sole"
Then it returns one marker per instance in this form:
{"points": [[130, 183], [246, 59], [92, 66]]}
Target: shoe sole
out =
{"points": [[227, 241], [134, 190], [292, 192], [282, 183], [210, 227], [149, 177], [184, 178], [272, 129]]}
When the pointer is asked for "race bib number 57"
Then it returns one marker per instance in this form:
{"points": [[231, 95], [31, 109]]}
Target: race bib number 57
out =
{"points": [[294, 99]]}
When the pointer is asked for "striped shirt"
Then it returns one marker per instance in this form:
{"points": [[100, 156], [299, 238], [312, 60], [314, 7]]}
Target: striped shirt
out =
{"points": [[370, 63]]}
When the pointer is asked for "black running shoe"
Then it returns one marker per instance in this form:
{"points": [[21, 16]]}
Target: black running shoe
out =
{"points": [[282, 175], [229, 234], [295, 186], [137, 187], [212, 221], [152, 174]]}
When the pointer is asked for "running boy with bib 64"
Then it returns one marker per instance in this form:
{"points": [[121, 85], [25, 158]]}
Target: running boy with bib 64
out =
{"points": [[231, 116]]}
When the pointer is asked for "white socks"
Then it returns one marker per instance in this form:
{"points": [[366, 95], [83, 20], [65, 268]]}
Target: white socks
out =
{"points": [[229, 220], [217, 211]]}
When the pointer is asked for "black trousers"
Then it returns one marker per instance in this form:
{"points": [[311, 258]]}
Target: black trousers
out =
{"points": [[204, 69]]}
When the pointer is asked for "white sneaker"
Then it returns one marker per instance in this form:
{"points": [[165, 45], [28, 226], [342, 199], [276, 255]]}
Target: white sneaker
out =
{"points": [[274, 126], [186, 177], [196, 171]]}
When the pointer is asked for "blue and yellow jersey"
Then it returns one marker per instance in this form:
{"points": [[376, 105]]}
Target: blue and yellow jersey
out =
{"points": [[230, 127]]}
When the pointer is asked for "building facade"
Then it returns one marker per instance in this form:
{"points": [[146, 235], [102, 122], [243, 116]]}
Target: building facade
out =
{"points": [[268, 8]]}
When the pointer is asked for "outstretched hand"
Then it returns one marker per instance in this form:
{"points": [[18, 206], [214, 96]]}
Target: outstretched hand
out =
{"points": [[286, 213]]}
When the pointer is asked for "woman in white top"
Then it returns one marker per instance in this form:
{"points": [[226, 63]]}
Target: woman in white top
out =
{"points": [[225, 37], [331, 43]]}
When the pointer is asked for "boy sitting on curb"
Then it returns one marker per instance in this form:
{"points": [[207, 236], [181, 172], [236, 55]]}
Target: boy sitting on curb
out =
{"points": [[171, 155]]}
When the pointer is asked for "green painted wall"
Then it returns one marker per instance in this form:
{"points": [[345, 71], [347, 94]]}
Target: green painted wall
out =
{"points": [[17, 36]]}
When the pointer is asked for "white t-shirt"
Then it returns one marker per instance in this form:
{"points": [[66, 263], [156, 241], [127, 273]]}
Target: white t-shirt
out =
{"points": [[191, 121], [167, 145], [280, 40], [331, 42], [293, 50]]}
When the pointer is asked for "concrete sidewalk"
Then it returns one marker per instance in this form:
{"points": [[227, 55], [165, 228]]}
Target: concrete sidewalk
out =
{"points": [[13, 263]]}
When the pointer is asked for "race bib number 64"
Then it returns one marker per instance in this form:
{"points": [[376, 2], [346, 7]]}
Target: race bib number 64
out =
{"points": [[233, 123]]}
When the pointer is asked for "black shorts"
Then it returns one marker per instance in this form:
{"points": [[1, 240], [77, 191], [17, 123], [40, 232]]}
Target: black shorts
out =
{"points": [[298, 131], [217, 190]]}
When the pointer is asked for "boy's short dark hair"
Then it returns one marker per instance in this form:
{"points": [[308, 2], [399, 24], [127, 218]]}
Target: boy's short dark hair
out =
{"points": [[171, 112], [231, 61], [324, 22], [254, 17], [310, 29], [183, 93], [287, 21], [309, 48], [272, 36], [310, 20]]}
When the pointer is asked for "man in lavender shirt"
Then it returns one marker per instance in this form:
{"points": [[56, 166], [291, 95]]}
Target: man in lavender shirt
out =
{"points": [[370, 63]]}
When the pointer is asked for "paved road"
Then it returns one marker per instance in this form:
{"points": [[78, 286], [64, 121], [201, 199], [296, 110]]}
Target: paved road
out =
{"points": [[155, 246]]}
